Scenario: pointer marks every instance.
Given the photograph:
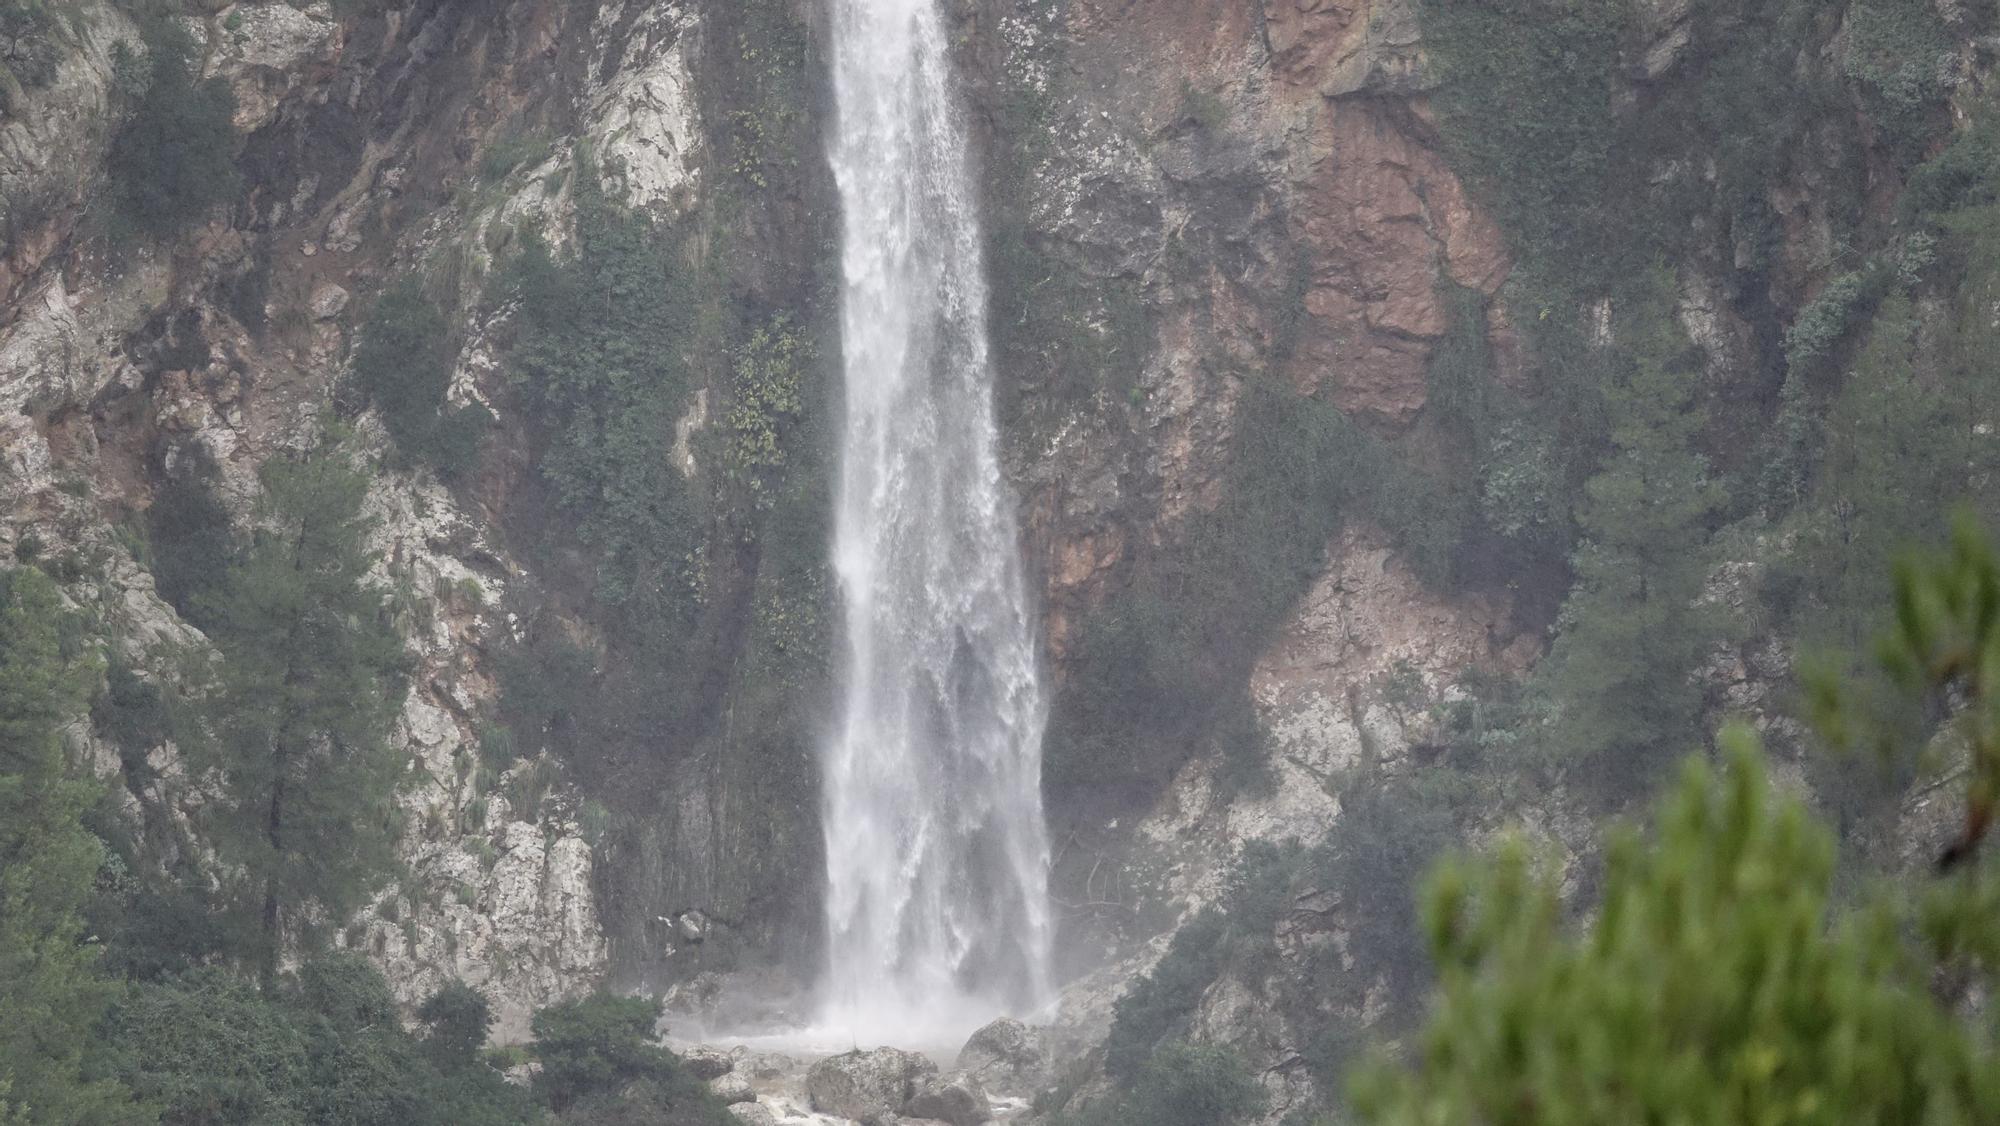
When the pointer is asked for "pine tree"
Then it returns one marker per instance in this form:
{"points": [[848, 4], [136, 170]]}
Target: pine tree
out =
{"points": [[310, 683], [1714, 984], [1884, 476], [1631, 631], [50, 989]]}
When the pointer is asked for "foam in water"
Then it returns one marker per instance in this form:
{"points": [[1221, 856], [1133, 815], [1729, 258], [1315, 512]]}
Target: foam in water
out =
{"points": [[937, 854]]}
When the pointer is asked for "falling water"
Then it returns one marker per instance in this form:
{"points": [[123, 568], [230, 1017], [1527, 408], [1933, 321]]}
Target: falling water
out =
{"points": [[937, 855]]}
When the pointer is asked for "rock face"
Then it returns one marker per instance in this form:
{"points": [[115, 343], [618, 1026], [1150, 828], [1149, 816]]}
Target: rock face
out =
{"points": [[732, 1089], [117, 381], [957, 1099], [1005, 1055], [870, 1087], [1258, 181]]}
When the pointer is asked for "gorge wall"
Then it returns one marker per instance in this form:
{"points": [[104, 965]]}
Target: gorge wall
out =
{"points": [[1274, 334]]}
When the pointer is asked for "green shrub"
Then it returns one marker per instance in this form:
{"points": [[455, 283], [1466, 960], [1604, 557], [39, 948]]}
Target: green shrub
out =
{"points": [[346, 990], [509, 153], [1546, 165], [546, 686], [767, 396], [602, 361], [175, 158], [455, 1020], [191, 545], [1715, 982], [1181, 1085], [209, 1049], [1823, 323], [324, 1049], [30, 48], [1238, 937], [1902, 54], [403, 363], [592, 1050], [1164, 662]]}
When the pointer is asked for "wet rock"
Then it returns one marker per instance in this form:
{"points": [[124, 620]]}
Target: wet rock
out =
{"points": [[753, 1114], [957, 1099], [692, 926], [1005, 1054], [870, 1087], [708, 1063], [732, 1089], [769, 1065]]}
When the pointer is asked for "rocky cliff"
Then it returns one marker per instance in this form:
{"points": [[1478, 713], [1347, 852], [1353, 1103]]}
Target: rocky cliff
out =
{"points": [[1244, 253]]}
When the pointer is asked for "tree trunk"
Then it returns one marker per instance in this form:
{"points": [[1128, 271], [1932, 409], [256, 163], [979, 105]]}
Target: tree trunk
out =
{"points": [[274, 836]]}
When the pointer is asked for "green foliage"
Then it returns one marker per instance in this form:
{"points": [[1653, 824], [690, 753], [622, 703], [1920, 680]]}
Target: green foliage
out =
{"points": [[1882, 476], [769, 85], [1942, 652], [175, 158], [767, 396], [601, 358], [1520, 484], [190, 543], [1822, 324], [1181, 1085], [1713, 985], [1545, 166], [403, 363], [1156, 1009], [209, 1049], [595, 1043], [322, 1049], [1152, 672], [1902, 54], [1063, 340], [1964, 174], [1632, 631], [1158, 1005], [590, 1049], [508, 153], [30, 47], [50, 986], [544, 684], [1391, 830], [310, 681]]}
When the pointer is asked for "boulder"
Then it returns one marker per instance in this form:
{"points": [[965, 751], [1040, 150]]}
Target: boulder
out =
{"points": [[957, 1099], [754, 1114], [769, 1065], [1005, 1054], [328, 301], [869, 1087], [705, 1062], [732, 1089]]}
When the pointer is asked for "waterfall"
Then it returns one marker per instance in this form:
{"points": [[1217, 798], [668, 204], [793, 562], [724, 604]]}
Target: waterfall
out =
{"points": [[937, 854]]}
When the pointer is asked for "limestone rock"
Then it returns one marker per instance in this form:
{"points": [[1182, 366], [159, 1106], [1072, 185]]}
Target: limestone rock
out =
{"points": [[732, 1088], [957, 1099], [769, 1065], [754, 1114], [871, 1087], [1005, 1054], [328, 301], [645, 122], [267, 49], [704, 1062]]}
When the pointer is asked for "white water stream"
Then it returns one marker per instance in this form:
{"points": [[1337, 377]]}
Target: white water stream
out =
{"points": [[937, 854]]}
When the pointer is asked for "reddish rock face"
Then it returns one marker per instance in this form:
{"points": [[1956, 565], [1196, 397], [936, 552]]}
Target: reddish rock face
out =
{"points": [[1268, 173], [1386, 222]]}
